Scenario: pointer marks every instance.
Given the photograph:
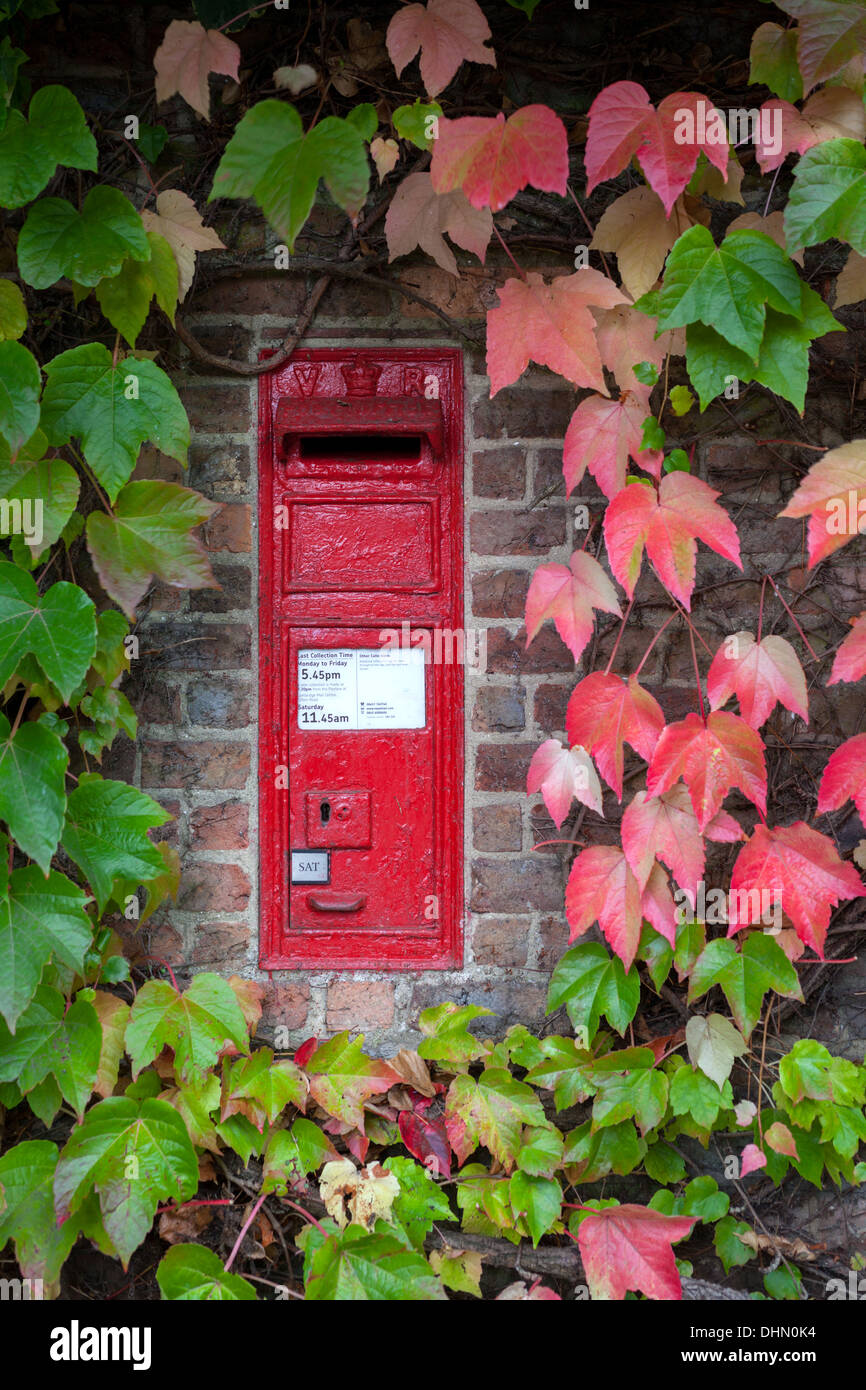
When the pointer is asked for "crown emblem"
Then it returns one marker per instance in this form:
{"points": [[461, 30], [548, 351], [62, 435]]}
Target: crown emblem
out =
{"points": [[361, 378]]}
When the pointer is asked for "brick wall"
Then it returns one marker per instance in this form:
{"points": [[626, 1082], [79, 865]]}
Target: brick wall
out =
{"points": [[195, 682]]}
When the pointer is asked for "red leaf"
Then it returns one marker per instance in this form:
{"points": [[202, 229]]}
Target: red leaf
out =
{"points": [[711, 757], [492, 158], [448, 32], [668, 525], [759, 674], [602, 888], [605, 712], [850, 663], [550, 324], [833, 496], [561, 774], [568, 594], [305, 1051], [664, 827], [625, 336], [800, 869], [751, 1159], [427, 1141], [623, 123], [844, 777], [630, 1247], [602, 436]]}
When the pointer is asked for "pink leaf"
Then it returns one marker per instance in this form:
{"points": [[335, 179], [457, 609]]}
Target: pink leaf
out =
{"points": [[850, 663], [630, 1247], [624, 123], [711, 757], [602, 888], [604, 713], [492, 158], [664, 827], [759, 674], [668, 525], [448, 33], [568, 594], [187, 54], [602, 435], [549, 324], [561, 775], [835, 113], [418, 217], [845, 777], [833, 496], [751, 1159]]}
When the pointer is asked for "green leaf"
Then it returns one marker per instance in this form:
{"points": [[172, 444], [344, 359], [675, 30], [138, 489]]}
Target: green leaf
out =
{"points": [[541, 1152], [652, 434], [30, 150], [192, 1272], [11, 59], [360, 1267], [53, 1039], [113, 410], [786, 1282], [592, 1155], [13, 310], [566, 1069], [136, 1154], [446, 1034], [744, 975], [32, 788], [194, 1104], [703, 1199], [729, 1248], [828, 196], [657, 953], [39, 919], [125, 298], [411, 122], [151, 138], [528, 7], [691, 938], [149, 535], [84, 246], [27, 1210], [810, 1070], [459, 1270], [45, 1100], [58, 627], [728, 287], [364, 119], [196, 1024], [677, 460], [538, 1200], [106, 833], [110, 711], [20, 383], [242, 1136], [593, 984], [261, 1088], [420, 1202], [42, 493], [663, 1164], [269, 158], [111, 658], [714, 1044], [641, 1093], [291, 1154], [773, 61], [342, 1078], [694, 1093], [491, 1111]]}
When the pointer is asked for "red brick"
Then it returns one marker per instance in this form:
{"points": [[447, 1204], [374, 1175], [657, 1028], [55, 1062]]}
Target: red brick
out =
{"points": [[521, 413], [516, 885], [359, 1005], [198, 646], [170, 831], [224, 826], [500, 941], [510, 1000], [213, 888], [234, 592], [218, 703], [551, 703], [499, 473], [229, 529], [193, 764], [497, 828], [546, 652], [165, 598], [285, 1005], [229, 340], [159, 703], [517, 533], [499, 709], [252, 294], [219, 470], [500, 593], [502, 767], [553, 941], [221, 946]]}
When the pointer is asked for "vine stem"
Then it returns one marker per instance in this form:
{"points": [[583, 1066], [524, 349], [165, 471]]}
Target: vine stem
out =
{"points": [[541, 844], [619, 635], [160, 961], [255, 9], [697, 674], [574, 199], [259, 1203], [308, 1216], [204, 1202], [502, 242], [804, 638], [667, 622], [761, 607]]}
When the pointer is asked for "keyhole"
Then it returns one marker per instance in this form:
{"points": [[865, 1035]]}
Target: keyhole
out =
{"points": [[325, 812]]}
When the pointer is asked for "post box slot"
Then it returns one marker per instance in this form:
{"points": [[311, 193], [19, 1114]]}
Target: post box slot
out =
{"points": [[360, 448]]}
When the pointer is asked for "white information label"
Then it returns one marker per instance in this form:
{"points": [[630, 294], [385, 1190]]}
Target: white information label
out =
{"points": [[361, 688]]}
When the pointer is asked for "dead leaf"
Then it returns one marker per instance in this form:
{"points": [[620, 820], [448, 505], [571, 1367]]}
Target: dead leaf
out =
{"points": [[177, 219], [184, 1224], [414, 1071], [357, 1195], [777, 1245], [296, 80]]}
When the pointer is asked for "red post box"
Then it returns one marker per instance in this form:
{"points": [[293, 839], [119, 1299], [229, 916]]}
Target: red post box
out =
{"points": [[361, 660]]}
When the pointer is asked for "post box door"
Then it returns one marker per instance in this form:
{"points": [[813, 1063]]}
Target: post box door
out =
{"points": [[360, 733]]}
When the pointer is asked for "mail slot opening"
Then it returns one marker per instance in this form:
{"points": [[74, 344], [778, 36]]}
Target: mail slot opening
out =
{"points": [[361, 448]]}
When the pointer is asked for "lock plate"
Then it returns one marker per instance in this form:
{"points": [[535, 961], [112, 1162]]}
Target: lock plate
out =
{"points": [[338, 819]]}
